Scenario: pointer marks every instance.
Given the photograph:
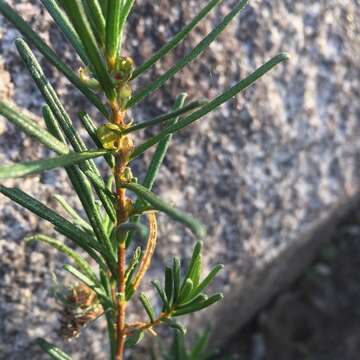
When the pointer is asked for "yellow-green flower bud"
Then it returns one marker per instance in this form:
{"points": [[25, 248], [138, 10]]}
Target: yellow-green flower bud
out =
{"points": [[109, 136]]}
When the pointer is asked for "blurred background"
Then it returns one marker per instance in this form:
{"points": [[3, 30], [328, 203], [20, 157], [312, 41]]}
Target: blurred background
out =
{"points": [[274, 175]]}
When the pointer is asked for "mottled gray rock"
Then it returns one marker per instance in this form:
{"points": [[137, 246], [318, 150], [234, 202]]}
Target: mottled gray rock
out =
{"points": [[261, 172]]}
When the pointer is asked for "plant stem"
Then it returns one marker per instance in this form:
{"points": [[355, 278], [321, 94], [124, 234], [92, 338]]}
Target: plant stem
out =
{"points": [[120, 322], [146, 326], [122, 217]]}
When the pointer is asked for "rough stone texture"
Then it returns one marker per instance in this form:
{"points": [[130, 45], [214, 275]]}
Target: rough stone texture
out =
{"points": [[259, 173]]}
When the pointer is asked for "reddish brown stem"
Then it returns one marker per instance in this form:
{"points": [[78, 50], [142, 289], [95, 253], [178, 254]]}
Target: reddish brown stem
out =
{"points": [[120, 322], [146, 326], [118, 118]]}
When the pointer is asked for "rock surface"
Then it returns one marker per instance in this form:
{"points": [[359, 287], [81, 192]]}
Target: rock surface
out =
{"points": [[261, 172]]}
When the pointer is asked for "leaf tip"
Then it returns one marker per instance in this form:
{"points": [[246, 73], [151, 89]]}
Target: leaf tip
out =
{"points": [[284, 56]]}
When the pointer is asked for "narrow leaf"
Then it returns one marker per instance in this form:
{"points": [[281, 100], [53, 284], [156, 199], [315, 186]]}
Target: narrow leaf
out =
{"points": [[79, 237], [39, 166], [104, 4], [48, 53], [215, 103], [134, 339], [96, 18], [185, 291], [133, 264], [90, 127], [194, 270], [148, 307], [76, 13], [193, 54], [90, 249], [162, 294], [159, 204], [66, 27], [173, 324], [73, 213], [52, 124], [178, 347], [52, 350], [169, 285], [177, 278], [194, 301], [207, 281], [200, 346], [127, 6], [79, 261], [113, 31], [166, 117], [30, 127], [176, 40], [197, 307]]}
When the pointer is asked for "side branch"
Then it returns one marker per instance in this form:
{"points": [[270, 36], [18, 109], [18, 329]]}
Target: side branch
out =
{"points": [[149, 251]]}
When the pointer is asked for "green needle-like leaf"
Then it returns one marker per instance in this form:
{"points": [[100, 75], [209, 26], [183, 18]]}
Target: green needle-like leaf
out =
{"points": [[77, 219], [79, 261], [48, 53], [96, 18], [77, 15], [166, 117], [185, 291], [173, 324], [162, 294], [194, 270], [203, 45], [90, 127], [134, 339], [113, 31], [30, 127], [176, 40], [169, 285], [158, 204], [178, 347], [193, 300], [197, 307], [104, 4], [212, 105], [52, 350], [62, 225], [66, 27], [133, 265], [177, 278], [39, 166], [148, 307], [127, 6], [200, 346], [207, 281]]}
